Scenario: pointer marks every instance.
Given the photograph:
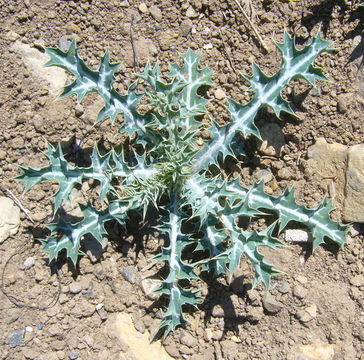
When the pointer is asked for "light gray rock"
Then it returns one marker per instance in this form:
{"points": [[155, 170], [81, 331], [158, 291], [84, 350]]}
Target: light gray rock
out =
{"points": [[186, 27], [265, 175], [307, 314], [191, 13], [284, 287], [295, 236], [16, 337], [29, 262], [271, 305], [73, 355], [156, 13], [34, 61], [187, 339], [9, 218], [129, 274], [328, 161], [148, 286], [64, 43], [354, 189], [75, 288]]}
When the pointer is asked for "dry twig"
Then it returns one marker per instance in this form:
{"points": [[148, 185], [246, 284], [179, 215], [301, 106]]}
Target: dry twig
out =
{"points": [[265, 47], [18, 203]]}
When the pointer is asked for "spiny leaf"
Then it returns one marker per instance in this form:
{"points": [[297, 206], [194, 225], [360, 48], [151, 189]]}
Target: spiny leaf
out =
{"points": [[178, 269], [191, 103], [59, 170], [213, 241], [295, 64], [87, 80], [68, 236], [248, 243], [316, 219]]}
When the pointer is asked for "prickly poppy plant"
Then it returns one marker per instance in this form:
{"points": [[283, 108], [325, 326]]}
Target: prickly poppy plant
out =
{"points": [[173, 174]]}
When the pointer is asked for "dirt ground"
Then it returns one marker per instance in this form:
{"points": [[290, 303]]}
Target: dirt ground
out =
{"points": [[232, 322]]}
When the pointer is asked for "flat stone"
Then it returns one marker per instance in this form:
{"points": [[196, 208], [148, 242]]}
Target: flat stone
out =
{"points": [[148, 286], [294, 236], [9, 218], [265, 175], [121, 327], [34, 61], [328, 161], [143, 8], [186, 27], [191, 13], [188, 340], [271, 305], [29, 262], [315, 351], [172, 350], [307, 314], [300, 292], [75, 288], [284, 287], [219, 94], [354, 189], [357, 280], [12, 35], [156, 13], [64, 43], [16, 337], [129, 274]]}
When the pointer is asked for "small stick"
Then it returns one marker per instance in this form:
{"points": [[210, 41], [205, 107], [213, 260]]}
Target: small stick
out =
{"points": [[136, 63], [252, 26], [149, 266], [26, 212]]}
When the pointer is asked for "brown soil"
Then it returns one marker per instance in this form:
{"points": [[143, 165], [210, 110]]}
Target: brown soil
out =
{"points": [[231, 323]]}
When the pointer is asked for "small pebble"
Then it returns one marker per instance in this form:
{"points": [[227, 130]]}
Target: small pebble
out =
{"points": [[295, 236], [300, 292], [350, 259], [156, 13], [307, 314], [16, 337], [64, 43], [284, 287], [143, 8], [129, 274], [191, 13], [79, 110], [75, 288], [271, 305], [72, 355], [139, 326], [29, 262], [187, 339], [219, 94], [186, 27]]}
